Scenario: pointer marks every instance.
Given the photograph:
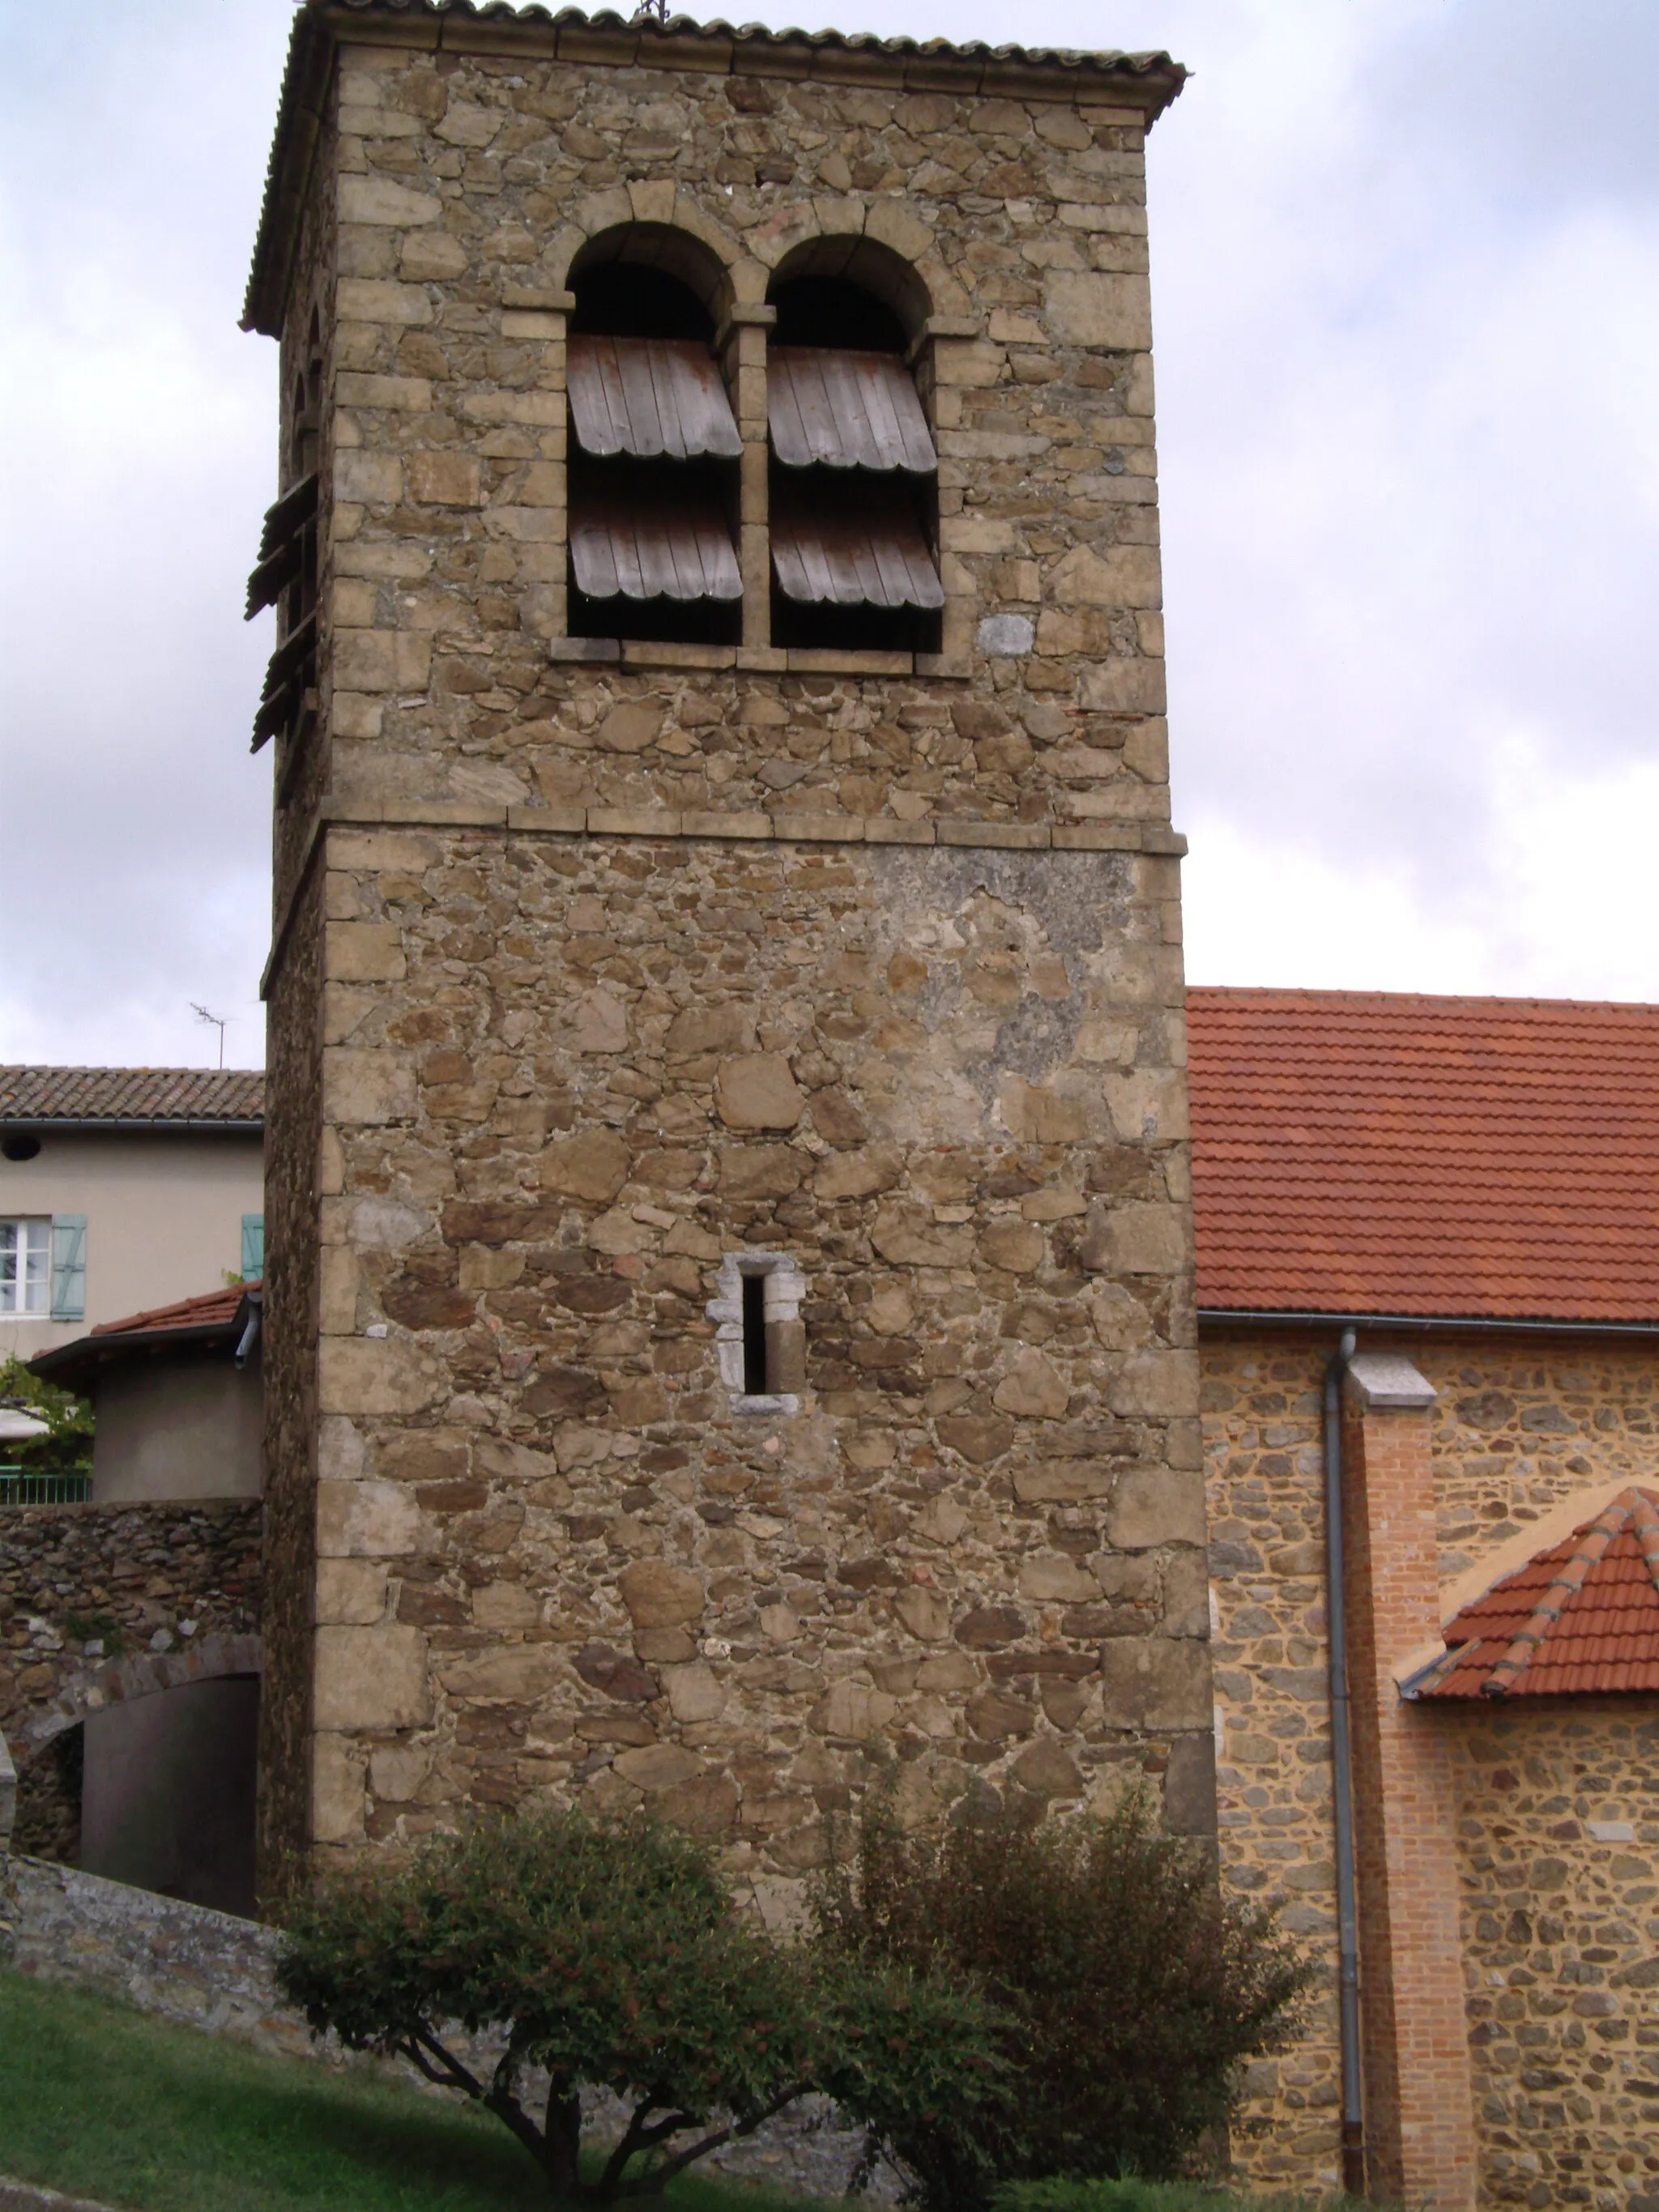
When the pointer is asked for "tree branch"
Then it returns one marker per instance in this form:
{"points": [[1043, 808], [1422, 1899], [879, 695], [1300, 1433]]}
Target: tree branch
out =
{"points": [[634, 2137], [662, 2175], [450, 2073]]}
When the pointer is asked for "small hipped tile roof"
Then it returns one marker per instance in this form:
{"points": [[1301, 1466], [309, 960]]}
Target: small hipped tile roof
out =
{"points": [[132, 1095], [187, 1324], [1361, 1154], [1580, 1619]]}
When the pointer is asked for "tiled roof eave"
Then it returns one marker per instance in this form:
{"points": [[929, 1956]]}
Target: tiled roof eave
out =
{"points": [[178, 1124], [1424, 1318], [1149, 82]]}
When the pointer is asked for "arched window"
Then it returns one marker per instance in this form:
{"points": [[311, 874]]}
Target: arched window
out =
{"points": [[853, 473], [654, 447]]}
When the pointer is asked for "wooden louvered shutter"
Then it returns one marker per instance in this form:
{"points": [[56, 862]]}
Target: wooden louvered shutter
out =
{"points": [[69, 1266], [253, 1246]]}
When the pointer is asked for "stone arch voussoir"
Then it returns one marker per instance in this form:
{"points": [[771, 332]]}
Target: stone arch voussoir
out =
{"points": [[141, 1674], [712, 262]]}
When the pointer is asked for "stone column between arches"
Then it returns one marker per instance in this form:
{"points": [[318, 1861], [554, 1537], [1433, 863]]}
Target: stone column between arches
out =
{"points": [[1418, 2086]]}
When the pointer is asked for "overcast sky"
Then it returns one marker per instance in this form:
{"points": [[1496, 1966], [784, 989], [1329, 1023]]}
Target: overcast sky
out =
{"points": [[1406, 283]]}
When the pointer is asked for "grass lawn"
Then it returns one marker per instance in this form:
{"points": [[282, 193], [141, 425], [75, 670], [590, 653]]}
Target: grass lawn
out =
{"points": [[98, 2100], [101, 2101]]}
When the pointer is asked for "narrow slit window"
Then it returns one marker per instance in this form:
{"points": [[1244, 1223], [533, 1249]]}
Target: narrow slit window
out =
{"points": [[760, 1339], [754, 1383]]}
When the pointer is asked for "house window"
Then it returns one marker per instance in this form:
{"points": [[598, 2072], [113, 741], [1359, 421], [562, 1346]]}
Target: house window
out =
{"points": [[253, 1247], [654, 452], [759, 1336], [854, 475], [25, 1266]]}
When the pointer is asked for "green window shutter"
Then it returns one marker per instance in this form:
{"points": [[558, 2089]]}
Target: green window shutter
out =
{"points": [[69, 1266], [253, 1246]]}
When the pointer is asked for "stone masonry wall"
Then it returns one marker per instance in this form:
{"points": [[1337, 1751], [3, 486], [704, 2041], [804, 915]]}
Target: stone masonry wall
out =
{"points": [[867, 959], [1520, 1423], [553, 1557], [465, 183]]}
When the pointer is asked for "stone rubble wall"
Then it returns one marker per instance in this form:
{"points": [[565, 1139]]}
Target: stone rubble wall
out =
{"points": [[1520, 1424], [293, 1166], [1559, 1806], [212, 1972], [552, 1559]]}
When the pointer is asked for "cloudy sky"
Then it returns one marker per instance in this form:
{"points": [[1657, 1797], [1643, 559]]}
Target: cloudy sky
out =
{"points": [[1406, 268]]}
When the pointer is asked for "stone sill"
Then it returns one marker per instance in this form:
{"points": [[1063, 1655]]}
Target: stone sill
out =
{"points": [[789, 827], [776, 660]]}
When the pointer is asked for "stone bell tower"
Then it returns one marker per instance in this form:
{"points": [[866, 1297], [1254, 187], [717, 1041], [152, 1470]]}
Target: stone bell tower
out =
{"points": [[729, 1305]]}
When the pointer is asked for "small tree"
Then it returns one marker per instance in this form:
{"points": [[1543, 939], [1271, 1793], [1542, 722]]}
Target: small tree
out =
{"points": [[1132, 1989], [66, 1448], [609, 1953]]}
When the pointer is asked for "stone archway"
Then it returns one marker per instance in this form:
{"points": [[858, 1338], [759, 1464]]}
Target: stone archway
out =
{"points": [[142, 1769], [141, 1674]]}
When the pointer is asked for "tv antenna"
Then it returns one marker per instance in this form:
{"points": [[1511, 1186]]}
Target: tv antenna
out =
{"points": [[215, 1021]]}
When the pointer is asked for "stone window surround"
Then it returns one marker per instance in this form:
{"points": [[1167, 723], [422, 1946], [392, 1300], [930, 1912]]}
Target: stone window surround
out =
{"points": [[785, 1289]]}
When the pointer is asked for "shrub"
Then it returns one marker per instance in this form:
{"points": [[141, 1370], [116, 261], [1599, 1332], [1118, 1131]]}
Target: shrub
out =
{"points": [[609, 1953], [1132, 1989]]}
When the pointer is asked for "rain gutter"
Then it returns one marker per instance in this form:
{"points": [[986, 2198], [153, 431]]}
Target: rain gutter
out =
{"points": [[1347, 1911], [1279, 1318]]}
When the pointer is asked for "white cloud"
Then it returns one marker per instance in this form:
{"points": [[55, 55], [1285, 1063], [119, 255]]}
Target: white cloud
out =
{"points": [[1405, 259], [1565, 905]]}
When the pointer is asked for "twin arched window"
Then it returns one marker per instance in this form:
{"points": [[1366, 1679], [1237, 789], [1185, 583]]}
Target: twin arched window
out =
{"points": [[841, 538]]}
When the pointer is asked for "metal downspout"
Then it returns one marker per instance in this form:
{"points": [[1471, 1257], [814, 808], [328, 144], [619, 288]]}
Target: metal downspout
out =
{"points": [[1347, 1916]]}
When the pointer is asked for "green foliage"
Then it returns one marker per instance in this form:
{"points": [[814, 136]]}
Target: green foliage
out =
{"points": [[609, 1953], [1133, 1990], [66, 1448]]}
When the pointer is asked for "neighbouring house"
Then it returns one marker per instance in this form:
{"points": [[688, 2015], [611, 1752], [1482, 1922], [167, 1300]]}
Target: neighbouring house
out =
{"points": [[1471, 1187], [137, 1741], [123, 1189]]}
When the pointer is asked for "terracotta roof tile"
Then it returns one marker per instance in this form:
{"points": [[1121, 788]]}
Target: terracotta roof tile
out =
{"points": [[131, 1094], [211, 1309], [1582, 1618], [1369, 1153]]}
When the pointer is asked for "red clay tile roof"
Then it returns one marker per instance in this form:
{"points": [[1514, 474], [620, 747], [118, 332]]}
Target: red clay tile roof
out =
{"points": [[1368, 1153], [1581, 1618], [131, 1094], [212, 1309]]}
